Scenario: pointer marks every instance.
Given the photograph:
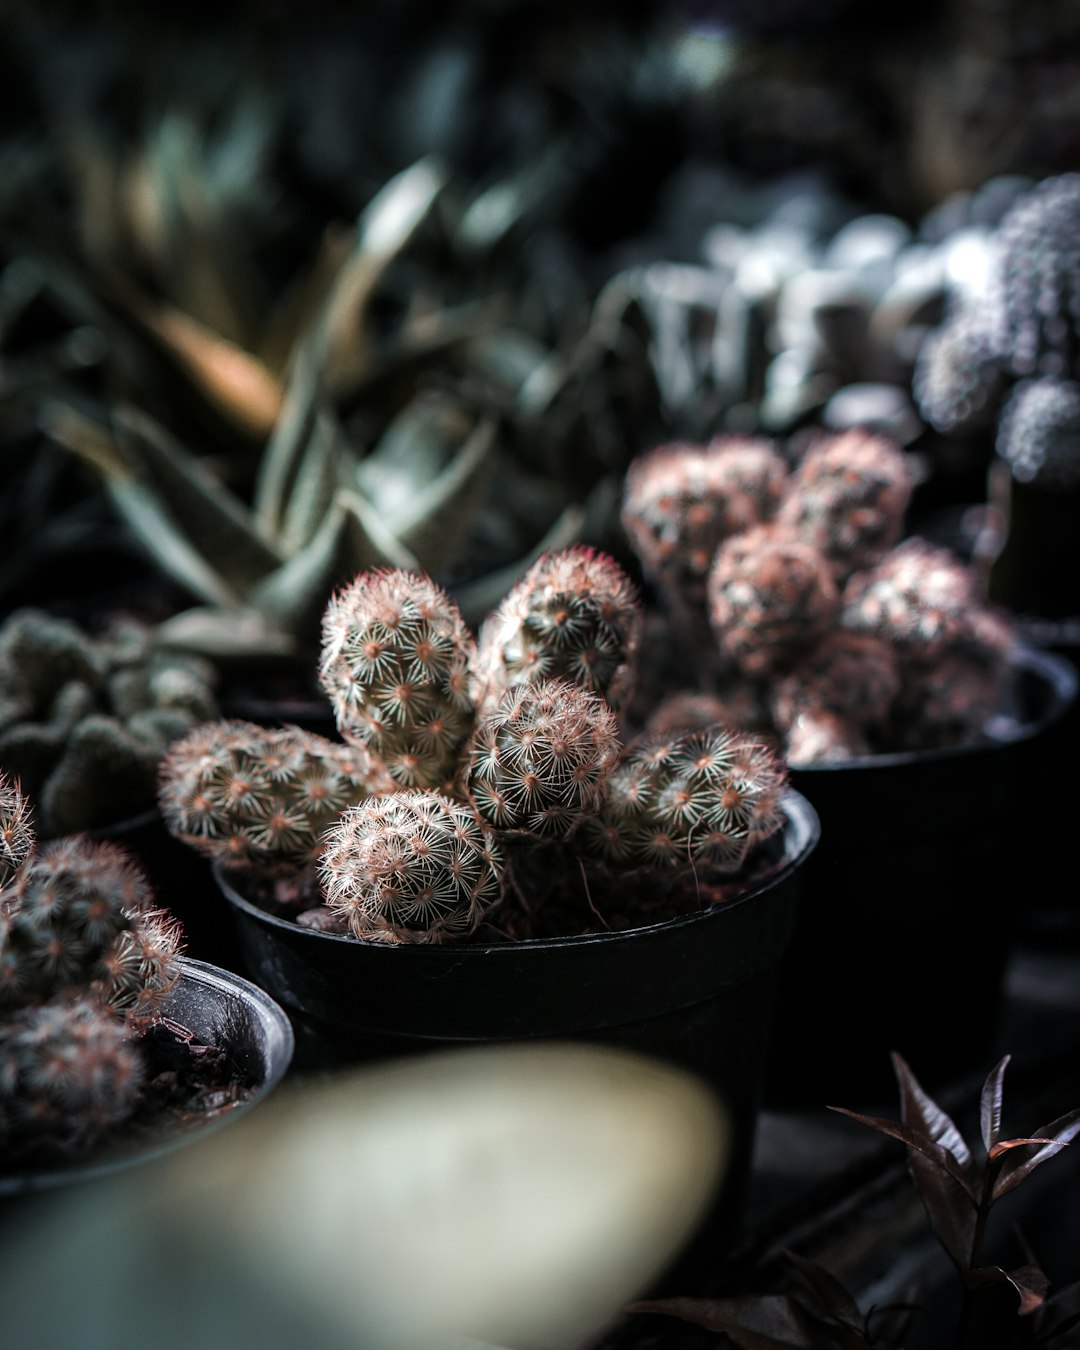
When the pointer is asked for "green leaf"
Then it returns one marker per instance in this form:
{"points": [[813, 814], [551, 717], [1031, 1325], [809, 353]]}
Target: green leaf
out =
{"points": [[224, 635], [285, 449], [325, 464], [438, 525]]}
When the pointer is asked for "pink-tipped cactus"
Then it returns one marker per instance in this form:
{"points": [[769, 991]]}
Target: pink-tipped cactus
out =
{"points": [[412, 866], [851, 676], [539, 761], [16, 829], [682, 501], [575, 615], [395, 665], [258, 797], [848, 497], [69, 1070], [702, 797], [140, 968], [771, 597]]}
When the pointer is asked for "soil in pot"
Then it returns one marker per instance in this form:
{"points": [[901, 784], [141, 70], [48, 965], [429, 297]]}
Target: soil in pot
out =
{"points": [[911, 903]]}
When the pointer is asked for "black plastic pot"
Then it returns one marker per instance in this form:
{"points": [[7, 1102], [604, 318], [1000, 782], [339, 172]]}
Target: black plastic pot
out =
{"points": [[910, 905], [221, 1009], [697, 991]]}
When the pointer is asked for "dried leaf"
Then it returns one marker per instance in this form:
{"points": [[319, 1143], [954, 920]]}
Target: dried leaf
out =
{"points": [[753, 1322], [918, 1141], [1015, 1169], [1029, 1282], [990, 1104]]}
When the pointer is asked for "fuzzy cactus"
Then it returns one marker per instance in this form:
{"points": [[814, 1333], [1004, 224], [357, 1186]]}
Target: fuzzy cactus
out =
{"points": [[81, 916], [575, 615], [411, 866], [69, 1070], [258, 797], [851, 676], [84, 720], [539, 760], [1036, 298], [1038, 435], [771, 596], [682, 501], [698, 710], [16, 829], [958, 381], [848, 497], [704, 797], [395, 665], [818, 736]]}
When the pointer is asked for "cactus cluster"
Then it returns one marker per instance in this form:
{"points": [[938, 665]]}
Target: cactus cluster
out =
{"points": [[855, 642], [85, 720], [86, 961], [464, 761]]}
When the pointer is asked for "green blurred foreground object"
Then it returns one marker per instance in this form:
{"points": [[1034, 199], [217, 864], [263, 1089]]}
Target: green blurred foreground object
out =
{"points": [[505, 1197]]}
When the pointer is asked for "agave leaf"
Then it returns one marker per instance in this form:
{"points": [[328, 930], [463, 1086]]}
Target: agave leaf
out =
{"points": [[325, 464], [231, 378], [752, 1322], [1016, 1169], [1029, 1282], [915, 1139], [285, 448], [145, 513], [371, 543], [213, 519], [413, 450], [224, 635], [297, 309], [503, 206], [437, 526], [990, 1104], [340, 343]]}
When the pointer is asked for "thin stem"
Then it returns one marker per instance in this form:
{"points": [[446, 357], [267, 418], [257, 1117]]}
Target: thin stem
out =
{"points": [[982, 1214]]}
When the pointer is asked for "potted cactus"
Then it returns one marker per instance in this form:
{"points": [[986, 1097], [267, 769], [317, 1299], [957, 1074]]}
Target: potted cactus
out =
{"points": [[905, 707], [113, 1046], [482, 859]]}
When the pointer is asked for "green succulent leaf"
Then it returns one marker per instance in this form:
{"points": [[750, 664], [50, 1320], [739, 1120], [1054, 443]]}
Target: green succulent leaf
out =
{"points": [[285, 449], [437, 526], [224, 635], [325, 465]]}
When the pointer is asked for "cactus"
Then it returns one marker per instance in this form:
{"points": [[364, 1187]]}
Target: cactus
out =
{"points": [[576, 616], [848, 497], [258, 797], [80, 916], [771, 596], [539, 761], [69, 1070], [958, 380], [395, 659], [16, 829], [84, 720], [818, 736], [682, 501], [851, 676], [1038, 434], [411, 866], [704, 797]]}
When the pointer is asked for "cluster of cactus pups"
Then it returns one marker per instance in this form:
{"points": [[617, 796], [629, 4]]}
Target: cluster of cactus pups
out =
{"points": [[821, 628], [469, 763], [86, 960]]}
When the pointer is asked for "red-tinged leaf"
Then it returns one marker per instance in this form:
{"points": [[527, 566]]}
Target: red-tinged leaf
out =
{"points": [[948, 1208], [990, 1104], [1029, 1282], [765, 1322], [1014, 1169], [825, 1289], [920, 1112], [914, 1139], [1004, 1145]]}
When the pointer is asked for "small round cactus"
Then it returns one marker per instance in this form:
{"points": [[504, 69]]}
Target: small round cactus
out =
{"points": [[697, 710], [16, 829], [539, 761], [259, 797], [411, 866], [575, 615], [395, 665], [848, 497], [700, 797], [1039, 432], [771, 596], [958, 381], [69, 1070], [817, 736], [852, 676], [682, 501]]}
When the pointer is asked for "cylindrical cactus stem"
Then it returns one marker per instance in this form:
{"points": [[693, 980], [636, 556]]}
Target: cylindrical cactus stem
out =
{"points": [[771, 597], [258, 797], [848, 497], [411, 866], [539, 761], [69, 1070], [702, 797], [575, 615], [16, 829], [682, 501], [395, 665]]}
